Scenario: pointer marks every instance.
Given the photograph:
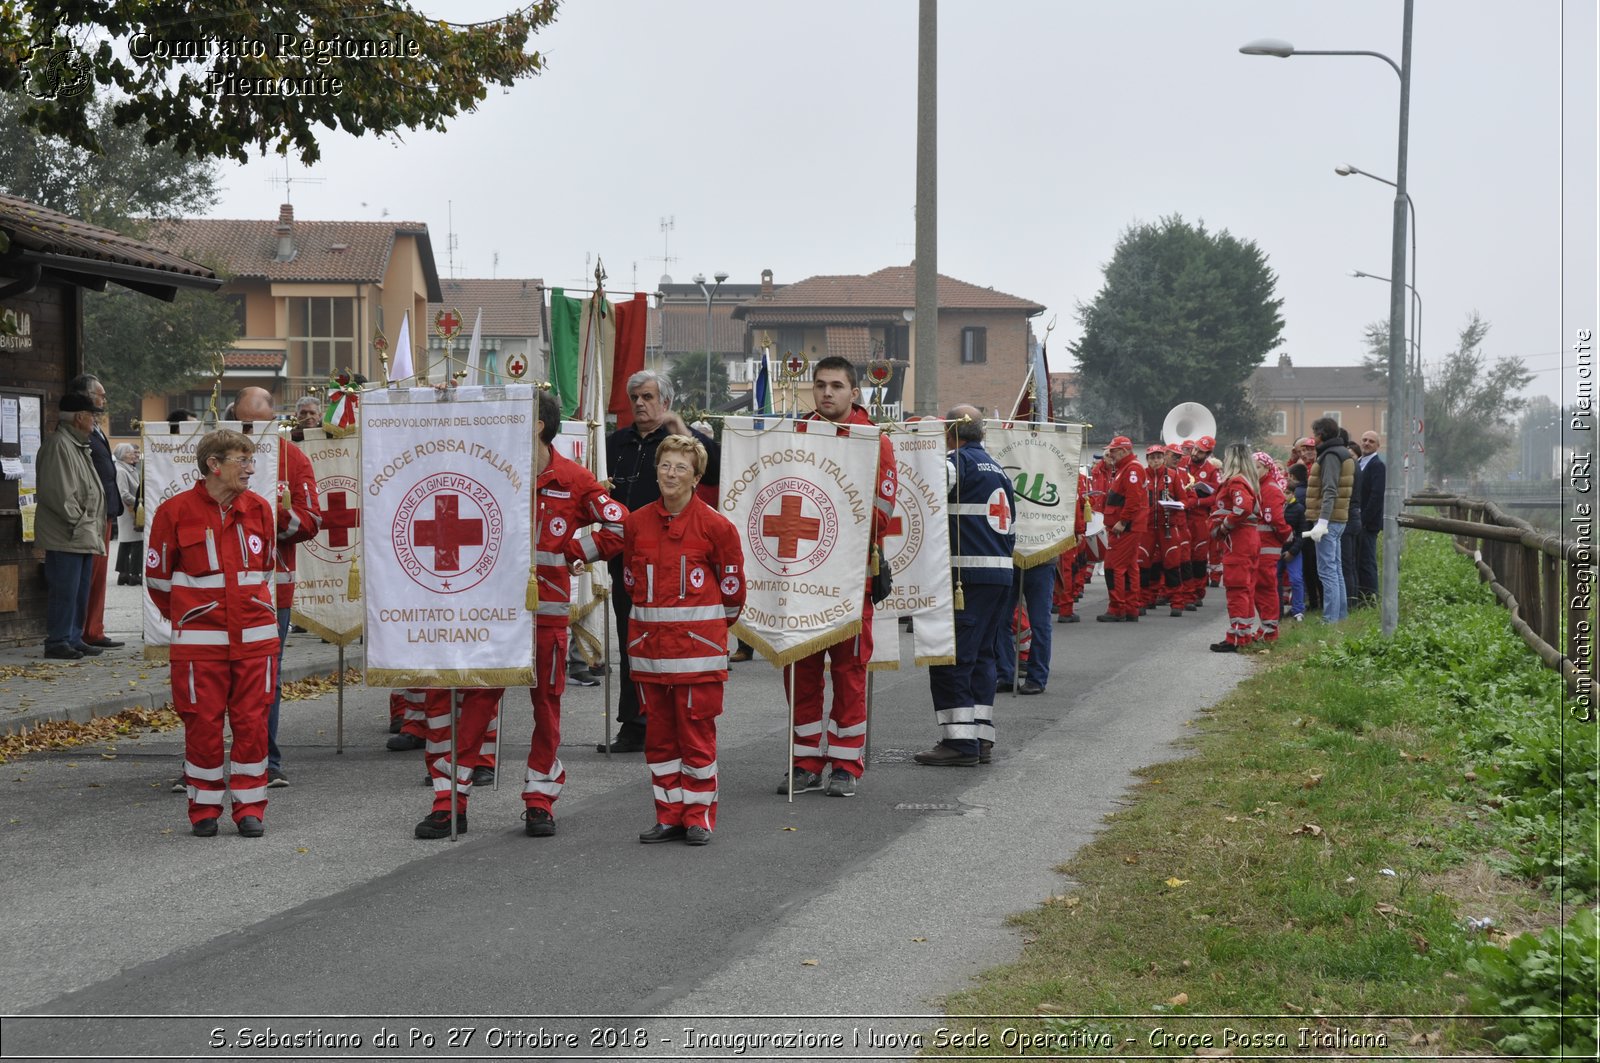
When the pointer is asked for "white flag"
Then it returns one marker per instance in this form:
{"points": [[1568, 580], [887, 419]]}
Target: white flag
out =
{"points": [[446, 515], [917, 550], [1042, 461], [170, 470], [401, 368], [472, 350], [590, 591], [322, 564], [801, 494]]}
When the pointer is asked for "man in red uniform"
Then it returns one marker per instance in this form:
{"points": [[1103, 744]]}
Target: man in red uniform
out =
{"points": [[834, 391], [1075, 563], [208, 565], [1127, 516], [299, 519], [1207, 481], [566, 498], [1171, 485]]}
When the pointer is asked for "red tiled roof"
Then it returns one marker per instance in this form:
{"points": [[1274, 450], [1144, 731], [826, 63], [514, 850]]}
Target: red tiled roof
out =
{"points": [[41, 231], [893, 287], [510, 306], [761, 317], [330, 251], [236, 359], [683, 328], [1317, 382]]}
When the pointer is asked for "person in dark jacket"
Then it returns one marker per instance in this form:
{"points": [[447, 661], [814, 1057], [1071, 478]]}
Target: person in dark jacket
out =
{"points": [[1372, 479], [94, 624], [1294, 511], [1350, 547], [1328, 492]]}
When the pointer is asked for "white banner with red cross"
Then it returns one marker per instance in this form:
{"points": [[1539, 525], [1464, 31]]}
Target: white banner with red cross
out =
{"points": [[801, 495], [170, 470], [322, 564], [1042, 461], [447, 538], [917, 550]]}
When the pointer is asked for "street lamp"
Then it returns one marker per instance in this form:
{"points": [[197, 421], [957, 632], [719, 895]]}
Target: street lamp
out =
{"points": [[700, 279], [1393, 495], [1415, 409]]}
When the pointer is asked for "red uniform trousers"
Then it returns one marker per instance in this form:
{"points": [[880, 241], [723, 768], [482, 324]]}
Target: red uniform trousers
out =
{"points": [[546, 775], [680, 745], [1065, 596], [1175, 556], [94, 617], [1239, 550], [410, 707], [1268, 603], [1122, 573], [203, 692], [1199, 553], [847, 723], [477, 712]]}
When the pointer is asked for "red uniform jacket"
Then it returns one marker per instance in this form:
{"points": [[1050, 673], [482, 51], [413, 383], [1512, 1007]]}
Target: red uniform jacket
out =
{"points": [[1099, 478], [209, 571], [685, 574], [566, 498], [888, 478], [1128, 497], [1235, 511], [1275, 531], [300, 519]]}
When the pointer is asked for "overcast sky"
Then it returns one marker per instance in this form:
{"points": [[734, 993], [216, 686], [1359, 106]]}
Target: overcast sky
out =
{"points": [[782, 136]]}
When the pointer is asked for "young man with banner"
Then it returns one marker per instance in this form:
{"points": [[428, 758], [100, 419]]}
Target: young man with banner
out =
{"points": [[982, 541], [684, 567], [835, 394], [208, 569]]}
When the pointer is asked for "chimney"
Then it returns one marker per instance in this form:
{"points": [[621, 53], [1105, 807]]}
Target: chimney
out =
{"points": [[1286, 365], [766, 284], [285, 231]]}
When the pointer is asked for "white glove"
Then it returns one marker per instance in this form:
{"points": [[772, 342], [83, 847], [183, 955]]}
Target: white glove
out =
{"points": [[1319, 531]]}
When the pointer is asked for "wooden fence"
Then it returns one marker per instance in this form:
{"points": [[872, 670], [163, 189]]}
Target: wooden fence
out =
{"points": [[1546, 583]]}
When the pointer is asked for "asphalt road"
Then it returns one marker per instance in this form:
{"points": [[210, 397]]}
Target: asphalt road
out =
{"points": [[871, 906]]}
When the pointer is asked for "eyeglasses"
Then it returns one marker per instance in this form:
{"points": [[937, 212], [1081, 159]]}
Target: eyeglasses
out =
{"points": [[240, 459], [676, 467]]}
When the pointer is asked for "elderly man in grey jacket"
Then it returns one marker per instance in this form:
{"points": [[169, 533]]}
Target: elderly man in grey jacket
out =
{"points": [[71, 526]]}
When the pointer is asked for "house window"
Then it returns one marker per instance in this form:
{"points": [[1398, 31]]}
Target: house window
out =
{"points": [[1280, 423], [1338, 418], [237, 303], [790, 341], [1383, 423], [974, 345], [322, 335]]}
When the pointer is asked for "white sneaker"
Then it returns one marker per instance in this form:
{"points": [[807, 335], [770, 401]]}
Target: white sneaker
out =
{"points": [[1299, 617]]}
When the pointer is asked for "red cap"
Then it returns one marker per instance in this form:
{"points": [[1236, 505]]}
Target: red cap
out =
{"points": [[1175, 449], [1187, 443], [1206, 443], [1307, 442], [1120, 441], [1155, 448]]}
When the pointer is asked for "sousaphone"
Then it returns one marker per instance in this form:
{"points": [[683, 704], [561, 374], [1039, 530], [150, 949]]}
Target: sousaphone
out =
{"points": [[1187, 420]]}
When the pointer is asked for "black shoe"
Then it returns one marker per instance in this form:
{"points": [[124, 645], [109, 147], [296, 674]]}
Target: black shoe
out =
{"points": [[276, 779], [1030, 687], [736, 657], [205, 828], [696, 835], [395, 723], [61, 653], [801, 780], [1070, 618], [538, 823], [296, 629], [582, 678], [1177, 610], [1191, 607], [404, 743], [662, 833], [1109, 618], [437, 825], [942, 756], [628, 740], [1224, 647], [104, 643], [985, 751], [1003, 688], [1141, 610], [1133, 618], [249, 827], [86, 650], [483, 775]]}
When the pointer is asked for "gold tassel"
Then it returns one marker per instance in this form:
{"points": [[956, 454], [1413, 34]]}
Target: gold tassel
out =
{"points": [[960, 596], [872, 561], [532, 601], [352, 585]]}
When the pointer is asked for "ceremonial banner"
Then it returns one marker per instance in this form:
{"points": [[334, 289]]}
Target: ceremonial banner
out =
{"points": [[170, 470], [322, 564], [917, 550], [1042, 461], [801, 495], [446, 518], [590, 591]]}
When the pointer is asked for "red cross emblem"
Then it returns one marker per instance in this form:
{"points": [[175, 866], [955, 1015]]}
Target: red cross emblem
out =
{"points": [[448, 322], [896, 527], [447, 533], [338, 519], [999, 515], [793, 526], [516, 365], [341, 520], [789, 527]]}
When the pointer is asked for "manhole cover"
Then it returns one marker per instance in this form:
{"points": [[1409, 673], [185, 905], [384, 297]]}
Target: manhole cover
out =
{"points": [[937, 808]]}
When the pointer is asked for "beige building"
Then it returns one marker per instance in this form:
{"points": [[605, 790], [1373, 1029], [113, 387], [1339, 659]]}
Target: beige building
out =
{"points": [[513, 327], [309, 296], [1293, 396]]}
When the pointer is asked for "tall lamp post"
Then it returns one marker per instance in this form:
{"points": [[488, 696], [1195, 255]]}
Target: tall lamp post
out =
{"points": [[1416, 455], [700, 279], [1393, 495]]}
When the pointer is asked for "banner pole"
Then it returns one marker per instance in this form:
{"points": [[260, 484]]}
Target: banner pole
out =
{"points": [[866, 741], [1016, 639], [605, 701], [455, 771], [788, 684], [495, 786], [338, 727]]}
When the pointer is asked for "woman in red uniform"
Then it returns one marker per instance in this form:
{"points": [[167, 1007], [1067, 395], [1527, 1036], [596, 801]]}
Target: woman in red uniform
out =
{"points": [[209, 562], [1233, 524], [684, 569], [1275, 535]]}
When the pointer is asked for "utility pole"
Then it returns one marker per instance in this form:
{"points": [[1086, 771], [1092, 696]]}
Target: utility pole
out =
{"points": [[927, 185]]}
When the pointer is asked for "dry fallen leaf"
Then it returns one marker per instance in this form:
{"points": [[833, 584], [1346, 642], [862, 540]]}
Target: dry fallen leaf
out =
{"points": [[785, 828], [1230, 819], [1312, 782], [919, 940], [1174, 883], [302, 849], [1130, 859], [803, 963], [1307, 828], [1181, 998]]}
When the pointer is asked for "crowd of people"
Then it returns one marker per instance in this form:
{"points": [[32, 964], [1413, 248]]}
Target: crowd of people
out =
{"points": [[220, 566]]}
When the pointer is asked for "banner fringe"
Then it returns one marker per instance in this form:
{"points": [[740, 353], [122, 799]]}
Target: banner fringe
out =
{"points": [[934, 662], [1045, 556], [322, 631], [459, 677], [802, 651]]}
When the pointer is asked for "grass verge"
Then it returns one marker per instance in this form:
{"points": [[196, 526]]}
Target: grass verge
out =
{"points": [[1357, 822]]}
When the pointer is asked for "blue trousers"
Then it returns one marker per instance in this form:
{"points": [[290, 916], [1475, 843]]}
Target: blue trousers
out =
{"points": [[1037, 586], [275, 758], [963, 693], [1292, 567], [1330, 569], [68, 577]]}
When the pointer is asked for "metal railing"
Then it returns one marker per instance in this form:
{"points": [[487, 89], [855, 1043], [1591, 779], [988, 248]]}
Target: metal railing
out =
{"points": [[1544, 581]]}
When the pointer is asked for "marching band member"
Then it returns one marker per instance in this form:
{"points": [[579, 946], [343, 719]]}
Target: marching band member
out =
{"points": [[1233, 525], [1127, 515], [684, 568], [208, 564]]}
